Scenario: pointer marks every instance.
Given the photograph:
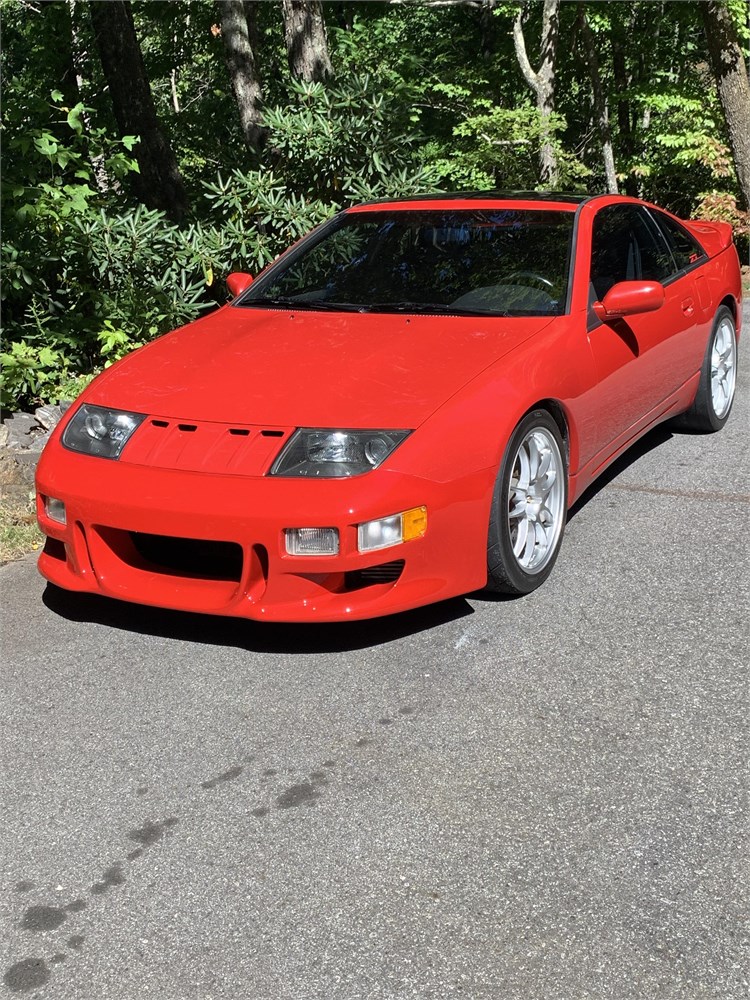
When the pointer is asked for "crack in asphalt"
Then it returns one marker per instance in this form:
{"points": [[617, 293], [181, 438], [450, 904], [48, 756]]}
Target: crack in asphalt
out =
{"points": [[743, 498]]}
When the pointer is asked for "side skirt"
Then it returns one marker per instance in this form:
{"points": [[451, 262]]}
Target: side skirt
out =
{"points": [[677, 403]]}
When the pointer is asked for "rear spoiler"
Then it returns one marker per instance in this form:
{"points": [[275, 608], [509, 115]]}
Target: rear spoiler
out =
{"points": [[713, 236]]}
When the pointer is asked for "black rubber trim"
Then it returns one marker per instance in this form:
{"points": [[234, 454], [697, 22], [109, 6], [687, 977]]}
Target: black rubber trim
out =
{"points": [[542, 196], [572, 258]]}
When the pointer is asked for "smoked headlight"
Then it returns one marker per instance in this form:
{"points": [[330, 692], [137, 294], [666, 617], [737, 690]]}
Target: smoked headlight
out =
{"points": [[95, 430], [332, 454]]}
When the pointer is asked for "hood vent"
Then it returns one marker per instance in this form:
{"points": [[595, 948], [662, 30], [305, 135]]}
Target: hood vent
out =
{"points": [[205, 446]]}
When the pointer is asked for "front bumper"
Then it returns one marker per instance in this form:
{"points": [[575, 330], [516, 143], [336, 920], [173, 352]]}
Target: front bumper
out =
{"points": [[112, 506]]}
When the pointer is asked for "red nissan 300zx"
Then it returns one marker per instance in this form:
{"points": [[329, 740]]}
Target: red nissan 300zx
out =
{"points": [[401, 409]]}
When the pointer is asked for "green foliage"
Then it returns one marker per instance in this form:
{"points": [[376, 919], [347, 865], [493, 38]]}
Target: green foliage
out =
{"points": [[74, 274], [499, 148], [346, 140], [683, 149], [739, 14], [30, 372]]}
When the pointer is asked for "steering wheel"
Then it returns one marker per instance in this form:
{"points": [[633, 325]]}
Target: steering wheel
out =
{"points": [[532, 275]]}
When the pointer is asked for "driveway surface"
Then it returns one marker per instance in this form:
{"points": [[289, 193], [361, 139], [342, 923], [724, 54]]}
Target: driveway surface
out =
{"points": [[532, 799]]}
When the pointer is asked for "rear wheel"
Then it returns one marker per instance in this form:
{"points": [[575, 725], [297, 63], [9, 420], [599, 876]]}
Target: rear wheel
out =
{"points": [[529, 507], [713, 400]]}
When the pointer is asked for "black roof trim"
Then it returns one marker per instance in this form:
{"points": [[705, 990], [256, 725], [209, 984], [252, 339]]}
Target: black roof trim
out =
{"points": [[573, 199]]}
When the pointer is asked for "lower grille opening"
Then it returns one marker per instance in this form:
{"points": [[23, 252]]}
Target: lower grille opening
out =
{"points": [[383, 573], [54, 548], [193, 557]]}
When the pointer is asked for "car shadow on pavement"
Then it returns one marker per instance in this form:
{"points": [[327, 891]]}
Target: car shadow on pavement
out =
{"points": [[259, 637], [649, 442]]}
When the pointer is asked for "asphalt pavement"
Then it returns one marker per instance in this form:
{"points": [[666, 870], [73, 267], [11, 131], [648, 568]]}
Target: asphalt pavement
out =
{"points": [[506, 799]]}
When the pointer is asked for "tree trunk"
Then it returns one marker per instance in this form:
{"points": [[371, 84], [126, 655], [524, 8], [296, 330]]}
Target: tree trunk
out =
{"points": [[251, 16], [624, 124], [306, 41], [729, 69], [487, 25], [542, 81], [243, 73], [601, 107], [159, 184]]}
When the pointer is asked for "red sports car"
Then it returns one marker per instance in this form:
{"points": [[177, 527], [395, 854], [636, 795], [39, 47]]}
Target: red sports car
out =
{"points": [[400, 409]]}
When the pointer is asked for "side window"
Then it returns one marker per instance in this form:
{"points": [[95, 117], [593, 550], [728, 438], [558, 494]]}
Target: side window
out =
{"points": [[625, 247], [613, 255], [686, 250], [656, 263]]}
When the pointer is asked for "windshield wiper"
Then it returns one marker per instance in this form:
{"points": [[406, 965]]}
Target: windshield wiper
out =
{"points": [[319, 305], [436, 308], [311, 305]]}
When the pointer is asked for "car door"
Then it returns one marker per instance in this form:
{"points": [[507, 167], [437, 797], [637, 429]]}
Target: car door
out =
{"points": [[636, 358], [687, 284]]}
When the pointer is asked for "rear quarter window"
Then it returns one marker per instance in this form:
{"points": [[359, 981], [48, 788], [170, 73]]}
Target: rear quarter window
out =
{"points": [[686, 250]]}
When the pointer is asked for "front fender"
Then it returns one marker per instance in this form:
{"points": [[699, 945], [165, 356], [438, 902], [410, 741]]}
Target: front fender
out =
{"points": [[469, 432]]}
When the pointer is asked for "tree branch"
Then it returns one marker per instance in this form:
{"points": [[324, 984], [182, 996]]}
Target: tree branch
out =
{"points": [[523, 60], [601, 108]]}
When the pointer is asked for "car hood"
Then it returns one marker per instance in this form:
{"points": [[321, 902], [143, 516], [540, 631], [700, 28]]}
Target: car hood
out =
{"points": [[310, 369]]}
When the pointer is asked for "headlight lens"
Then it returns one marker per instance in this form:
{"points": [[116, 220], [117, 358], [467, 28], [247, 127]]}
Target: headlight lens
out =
{"points": [[95, 430], [333, 454]]}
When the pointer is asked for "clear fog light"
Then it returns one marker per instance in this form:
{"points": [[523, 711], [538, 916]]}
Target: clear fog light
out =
{"points": [[54, 509], [387, 531], [312, 541]]}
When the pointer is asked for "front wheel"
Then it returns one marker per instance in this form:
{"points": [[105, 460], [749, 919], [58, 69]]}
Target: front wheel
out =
{"points": [[529, 507], [715, 395]]}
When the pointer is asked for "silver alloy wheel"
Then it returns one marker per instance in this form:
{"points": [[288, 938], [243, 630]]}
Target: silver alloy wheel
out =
{"points": [[536, 500], [723, 367]]}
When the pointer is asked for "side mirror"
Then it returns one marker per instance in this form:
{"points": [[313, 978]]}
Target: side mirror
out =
{"points": [[629, 297], [237, 282]]}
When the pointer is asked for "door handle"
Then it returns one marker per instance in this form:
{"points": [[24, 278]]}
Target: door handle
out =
{"points": [[688, 307]]}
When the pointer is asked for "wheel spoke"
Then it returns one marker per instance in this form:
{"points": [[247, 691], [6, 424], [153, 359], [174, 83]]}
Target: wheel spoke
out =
{"points": [[524, 471], [544, 465], [548, 484], [523, 531], [530, 543], [541, 540], [535, 457], [519, 508]]}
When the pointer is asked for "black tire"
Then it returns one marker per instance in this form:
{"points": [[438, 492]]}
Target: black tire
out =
{"points": [[702, 415], [505, 570]]}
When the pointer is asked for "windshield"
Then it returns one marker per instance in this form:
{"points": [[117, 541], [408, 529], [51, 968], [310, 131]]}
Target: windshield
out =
{"points": [[505, 261]]}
